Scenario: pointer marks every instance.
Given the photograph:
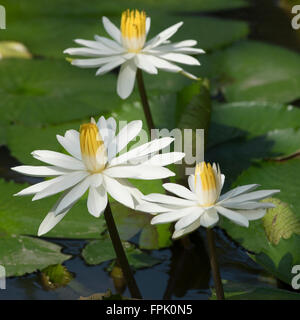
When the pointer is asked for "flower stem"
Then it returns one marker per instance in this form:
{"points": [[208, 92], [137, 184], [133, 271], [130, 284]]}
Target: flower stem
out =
{"points": [[121, 256], [214, 264], [144, 98]]}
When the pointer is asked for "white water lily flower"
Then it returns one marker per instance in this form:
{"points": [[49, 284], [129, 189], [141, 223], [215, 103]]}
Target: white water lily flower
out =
{"points": [[94, 165], [200, 204], [128, 48]]}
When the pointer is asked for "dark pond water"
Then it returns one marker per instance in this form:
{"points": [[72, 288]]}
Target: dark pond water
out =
{"points": [[184, 274]]}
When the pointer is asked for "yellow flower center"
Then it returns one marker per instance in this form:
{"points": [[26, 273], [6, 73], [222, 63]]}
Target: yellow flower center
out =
{"points": [[208, 190], [92, 147], [133, 29]]}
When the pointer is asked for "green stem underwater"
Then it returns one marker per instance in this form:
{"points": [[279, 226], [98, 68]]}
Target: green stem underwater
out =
{"points": [[214, 264], [120, 253]]}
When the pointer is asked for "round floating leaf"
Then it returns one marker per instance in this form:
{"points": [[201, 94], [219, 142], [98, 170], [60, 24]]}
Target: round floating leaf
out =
{"points": [[99, 251], [258, 71], [130, 223], [20, 255], [244, 291], [274, 239], [243, 132], [280, 222], [256, 118], [21, 143], [49, 36], [18, 8], [22, 216], [55, 276], [51, 91]]}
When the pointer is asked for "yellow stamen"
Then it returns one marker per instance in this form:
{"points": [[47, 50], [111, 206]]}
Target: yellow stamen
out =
{"points": [[92, 147], [133, 27], [208, 183]]}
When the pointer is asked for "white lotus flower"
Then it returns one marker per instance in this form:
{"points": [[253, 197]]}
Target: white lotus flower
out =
{"points": [[200, 205], [128, 48], [93, 165]]}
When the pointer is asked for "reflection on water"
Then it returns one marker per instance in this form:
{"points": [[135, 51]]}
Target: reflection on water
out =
{"points": [[183, 274]]}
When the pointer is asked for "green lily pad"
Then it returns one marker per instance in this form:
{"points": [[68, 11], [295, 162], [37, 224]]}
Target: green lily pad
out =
{"points": [[99, 251], [55, 276], [130, 223], [258, 71], [40, 92], [49, 36], [22, 216], [243, 133], [18, 8], [244, 291], [20, 254], [273, 240], [21, 143]]}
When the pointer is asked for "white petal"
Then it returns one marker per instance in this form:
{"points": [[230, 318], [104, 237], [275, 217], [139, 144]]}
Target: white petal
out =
{"points": [[115, 46], [126, 134], [191, 181], [107, 129], [189, 75], [100, 45], [73, 195], [172, 216], [189, 219], [180, 58], [165, 159], [148, 24], [180, 191], [110, 65], [150, 207], [256, 195], [239, 190], [58, 159], [62, 183], [247, 205], [170, 200], [97, 201], [96, 179], [234, 216], [163, 64], [253, 214], [38, 187], [111, 124], [71, 143], [143, 150], [179, 233], [135, 192], [126, 79], [92, 63], [40, 171], [51, 220], [87, 52], [118, 192], [184, 43], [111, 29], [142, 62], [145, 172], [163, 36], [209, 218]]}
